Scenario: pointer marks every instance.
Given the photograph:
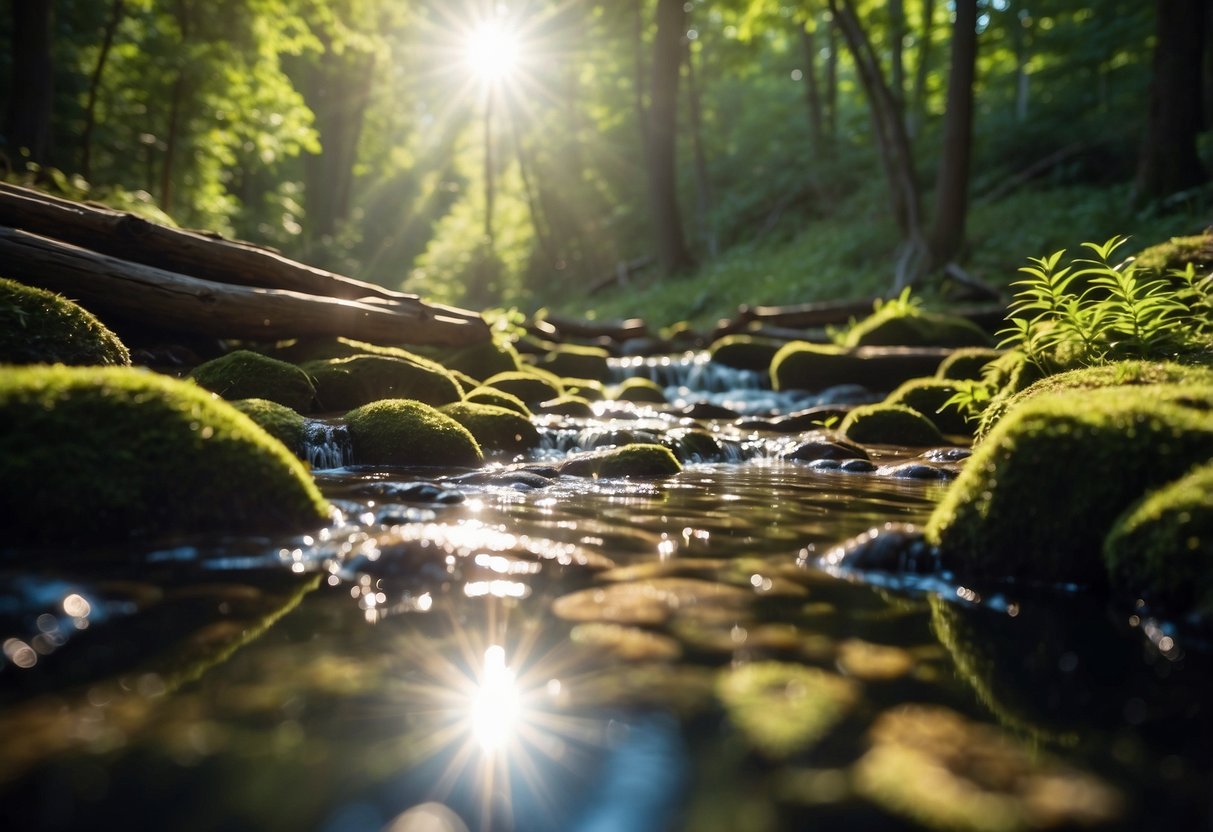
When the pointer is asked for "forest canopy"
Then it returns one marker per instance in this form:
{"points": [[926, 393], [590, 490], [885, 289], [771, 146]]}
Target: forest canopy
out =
{"points": [[523, 153]]}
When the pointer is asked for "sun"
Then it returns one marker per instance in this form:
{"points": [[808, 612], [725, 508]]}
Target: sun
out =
{"points": [[492, 52]]}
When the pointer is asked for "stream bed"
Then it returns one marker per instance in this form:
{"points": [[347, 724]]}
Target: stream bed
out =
{"points": [[507, 651]]}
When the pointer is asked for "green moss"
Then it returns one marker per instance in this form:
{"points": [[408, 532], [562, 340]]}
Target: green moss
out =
{"points": [[106, 454], [578, 361], [1037, 496], [889, 424], [481, 361], [404, 432], [498, 398], [279, 421], [40, 327], [782, 708], [465, 381], [1123, 373], [638, 390], [641, 461], [248, 375], [343, 383], [494, 428], [1161, 548], [1178, 252], [896, 325], [530, 387], [967, 363], [586, 388], [803, 366], [567, 405], [927, 396], [745, 352]]}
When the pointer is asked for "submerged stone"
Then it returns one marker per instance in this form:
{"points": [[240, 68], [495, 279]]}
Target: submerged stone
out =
{"points": [[1037, 497], [41, 327], [278, 420], [640, 461], [344, 383], [111, 453], [242, 374], [627, 643], [873, 662], [650, 602], [889, 424], [405, 432], [824, 444], [495, 428]]}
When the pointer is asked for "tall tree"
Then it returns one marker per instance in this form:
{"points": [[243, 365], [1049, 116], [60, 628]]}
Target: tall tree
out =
{"points": [[31, 102], [94, 88]]}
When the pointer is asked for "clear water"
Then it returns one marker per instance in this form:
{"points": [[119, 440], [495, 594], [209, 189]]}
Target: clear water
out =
{"points": [[585, 655]]}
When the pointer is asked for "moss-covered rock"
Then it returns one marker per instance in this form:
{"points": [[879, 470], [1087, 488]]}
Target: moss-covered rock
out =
{"points": [[40, 327], [800, 365], [1123, 373], [928, 396], [578, 361], [406, 432], [745, 352], [110, 453], [1036, 498], [1177, 253], [530, 387], [497, 398], [639, 390], [898, 325], [483, 360], [242, 374], [586, 388], [567, 405], [640, 461], [279, 421], [494, 428], [967, 363], [1161, 548], [343, 383], [890, 424]]}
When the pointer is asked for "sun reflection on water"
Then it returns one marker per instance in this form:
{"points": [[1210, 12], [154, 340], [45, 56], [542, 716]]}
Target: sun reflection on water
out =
{"points": [[496, 706]]}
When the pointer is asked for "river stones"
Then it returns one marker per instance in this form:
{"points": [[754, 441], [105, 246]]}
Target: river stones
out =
{"points": [[929, 396], [627, 643], [745, 352], [531, 387], [893, 547], [650, 602], [640, 461], [967, 364], [889, 424], [494, 428], [638, 390], [800, 365], [104, 454], [40, 327], [577, 361], [823, 445], [242, 374], [497, 398], [405, 432], [903, 325], [278, 420], [344, 383], [566, 405]]}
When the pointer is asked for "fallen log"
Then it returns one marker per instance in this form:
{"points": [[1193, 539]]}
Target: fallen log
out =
{"points": [[105, 284], [205, 256], [558, 327]]}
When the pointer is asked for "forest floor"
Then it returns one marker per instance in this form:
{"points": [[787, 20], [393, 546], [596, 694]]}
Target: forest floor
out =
{"points": [[851, 255]]}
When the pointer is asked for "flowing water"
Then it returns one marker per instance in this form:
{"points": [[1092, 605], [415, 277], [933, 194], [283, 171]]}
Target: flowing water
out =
{"points": [[514, 650]]}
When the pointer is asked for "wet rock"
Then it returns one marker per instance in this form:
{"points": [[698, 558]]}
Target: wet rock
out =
{"points": [[530, 387], [494, 428], [785, 709], [893, 547], [641, 461], [808, 419], [949, 454], [856, 466], [824, 445], [705, 410], [873, 662], [344, 383], [40, 327], [826, 464], [497, 398], [800, 365], [908, 326], [278, 420], [411, 492], [745, 352], [693, 445], [566, 405], [242, 374], [527, 476], [889, 424], [403, 432], [651, 602], [929, 396], [915, 471], [639, 390]]}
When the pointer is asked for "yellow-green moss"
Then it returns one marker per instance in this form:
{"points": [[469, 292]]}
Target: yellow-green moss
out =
{"points": [[1161, 548], [498, 398], [1178, 252], [640, 390], [567, 405], [248, 375], [40, 327], [745, 352], [967, 363], [343, 383], [895, 325], [279, 421], [483, 360], [494, 428], [586, 388], [927, 396], [405, 432], [110, 453], [578, 361], [638, 460], [1037, 497], [530, 387], [889, 424]]}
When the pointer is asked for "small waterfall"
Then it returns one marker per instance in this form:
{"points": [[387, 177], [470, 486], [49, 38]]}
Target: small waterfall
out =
{"points": [[692, 370], [326, 446]]}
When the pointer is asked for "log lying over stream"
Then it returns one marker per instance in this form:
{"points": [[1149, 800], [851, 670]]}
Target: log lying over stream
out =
{"points": [[120, 263]]}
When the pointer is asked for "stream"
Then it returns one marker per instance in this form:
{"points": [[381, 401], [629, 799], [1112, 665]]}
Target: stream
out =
{"points": [[507, 650]]}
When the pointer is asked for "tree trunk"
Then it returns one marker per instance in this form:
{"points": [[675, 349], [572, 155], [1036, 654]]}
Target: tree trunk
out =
{"points": [[1169, 162], [94, 89], [897, 66], [179, 93], [30, 107], [831, 83], [916, 111], [672, 252], [952, 184], [703, 182], [812, 91]]}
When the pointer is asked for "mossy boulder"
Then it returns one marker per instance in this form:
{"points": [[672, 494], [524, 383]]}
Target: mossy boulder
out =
{"points": [[1161, 548], [578, 361], [639, 390], [586, 388], [1177, 253], [494, 428], [105, 454], [800, 365], [532, 388], [279, 421], [567, 405], [967, 363], [343, 383], [242, 374], [890, 424], [639, 461], [483, 360], [406, 432], [745, 352], [40, 327], [1035, 500], [928, 396], [895, 325], [497, 398]]}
